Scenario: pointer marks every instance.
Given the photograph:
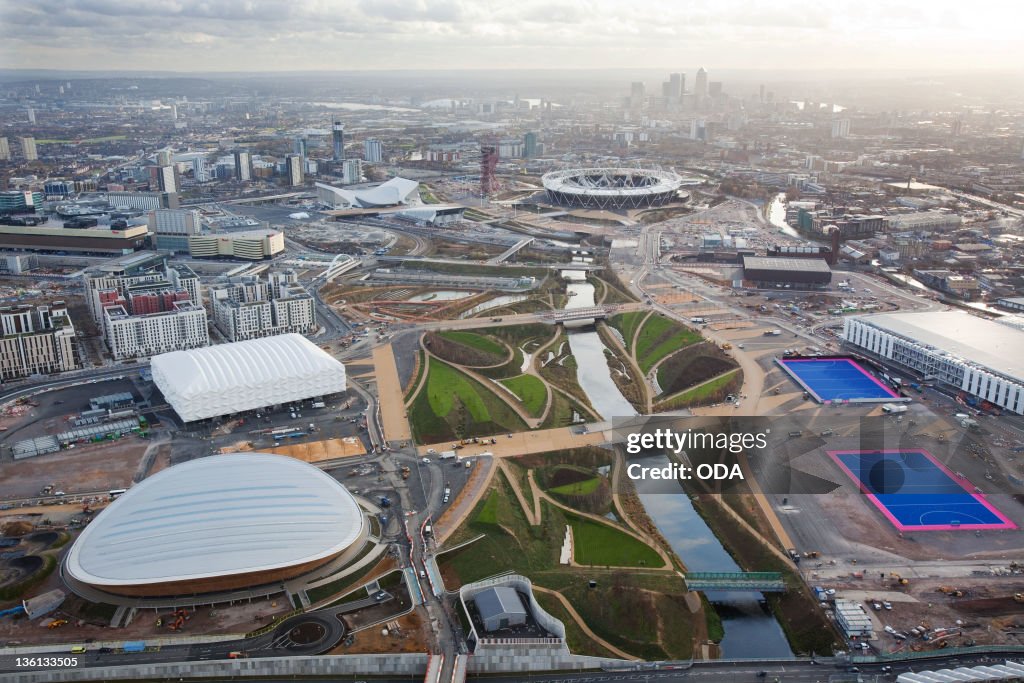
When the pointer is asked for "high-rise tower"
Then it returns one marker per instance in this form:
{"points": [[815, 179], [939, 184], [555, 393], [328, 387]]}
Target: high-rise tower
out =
{"points": [[338, 138]]}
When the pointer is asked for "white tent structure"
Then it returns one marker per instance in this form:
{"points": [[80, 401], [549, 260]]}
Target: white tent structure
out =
{"points": [[1010, 671], [231, 378]]}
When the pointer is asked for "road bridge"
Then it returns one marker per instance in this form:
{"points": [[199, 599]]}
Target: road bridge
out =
{"points": [[765, 582], [567, 315]]}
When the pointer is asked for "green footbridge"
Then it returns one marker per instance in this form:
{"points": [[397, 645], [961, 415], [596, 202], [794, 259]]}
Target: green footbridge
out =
{"points": [[765, 582]]}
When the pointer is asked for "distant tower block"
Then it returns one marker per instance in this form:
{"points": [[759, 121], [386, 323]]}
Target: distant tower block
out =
{"points": [[488, 167], [338, 138]]}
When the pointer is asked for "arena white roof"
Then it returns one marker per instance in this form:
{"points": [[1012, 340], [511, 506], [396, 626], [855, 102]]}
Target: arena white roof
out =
{"points": [[391, 193], [231, 378], [611, 182], [984, 342], [217, 516]]}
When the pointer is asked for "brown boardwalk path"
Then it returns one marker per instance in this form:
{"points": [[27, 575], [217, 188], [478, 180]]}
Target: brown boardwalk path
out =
{"points": [[389, 393]]}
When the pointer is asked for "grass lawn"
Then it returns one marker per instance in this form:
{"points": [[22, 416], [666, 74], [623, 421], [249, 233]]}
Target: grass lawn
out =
{"points": [[703, 393], [579, 488], [453, 404], [688, 368], [626, 323], [476, 341], [531, 391], [659, 337], [488, 512], [579, 642], [603, 545]]}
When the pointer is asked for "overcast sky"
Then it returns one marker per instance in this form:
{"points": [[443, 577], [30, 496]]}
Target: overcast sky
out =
{"points": [[276, 35]]}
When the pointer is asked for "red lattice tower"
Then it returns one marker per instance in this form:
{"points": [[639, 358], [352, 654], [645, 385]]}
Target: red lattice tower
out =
{"points": [[488, 167]]}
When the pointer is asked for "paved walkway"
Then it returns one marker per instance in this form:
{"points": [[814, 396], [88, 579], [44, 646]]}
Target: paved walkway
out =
{"points": [[583, 625], [524, 443], [389, 391]]}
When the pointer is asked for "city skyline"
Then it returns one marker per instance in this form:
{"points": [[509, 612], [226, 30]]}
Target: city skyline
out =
{"points": [[360, 35]]}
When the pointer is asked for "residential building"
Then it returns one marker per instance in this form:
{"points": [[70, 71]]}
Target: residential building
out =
{"points": [[5, 150], [200, 170], [293, 169], [243, 166], [147, 334], [351, 171], [113, 282], [841, 128], [530, 145], [28, 148], [166, 179], [373, 150], [36, 340], [249, 308]]}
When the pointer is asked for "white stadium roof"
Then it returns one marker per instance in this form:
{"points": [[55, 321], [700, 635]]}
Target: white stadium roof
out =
{"points": [[391, 193], [217, 516], [231, 378]]}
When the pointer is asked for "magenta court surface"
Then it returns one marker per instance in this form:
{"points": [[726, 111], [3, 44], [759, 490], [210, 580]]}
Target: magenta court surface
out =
{"points": [[837, 380], [918, 493]]}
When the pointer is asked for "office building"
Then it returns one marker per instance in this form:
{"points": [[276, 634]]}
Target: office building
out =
{"points": [[144, 201], [31, 115], [171, 228], [338, 140], [637, 94], [530, 145], [293, 170], [252, 245], [117, 280], [676, 87], [58, 188], [146, 334], [250, 308], [700, 88], [243, 166], [20, 201], [28, 148], [373, 150], [979, 357], [300, 147], [36, 340], [841, 128], [5, 150]]}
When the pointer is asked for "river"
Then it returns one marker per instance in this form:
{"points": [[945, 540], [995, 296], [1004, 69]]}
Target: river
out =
{"points": [[591, 367], [751, 632], [777, 216]]}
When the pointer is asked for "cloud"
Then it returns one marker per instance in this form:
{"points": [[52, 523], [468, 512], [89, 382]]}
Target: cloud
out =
{"points": [[367, 34]]}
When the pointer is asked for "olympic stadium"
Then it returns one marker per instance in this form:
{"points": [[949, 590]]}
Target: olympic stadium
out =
{"points": [[238, 524], [613, 188]]}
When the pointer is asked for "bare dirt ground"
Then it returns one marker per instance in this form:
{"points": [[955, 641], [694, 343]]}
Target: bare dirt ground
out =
{"points": [[90, 467], [413, 635]]}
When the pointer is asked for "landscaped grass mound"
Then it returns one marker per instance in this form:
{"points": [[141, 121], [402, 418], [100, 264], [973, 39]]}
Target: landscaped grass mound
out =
{"points": [[453, 405], [466, 348], [659, 337], [690, 367], [530, 391], [626, 324]]}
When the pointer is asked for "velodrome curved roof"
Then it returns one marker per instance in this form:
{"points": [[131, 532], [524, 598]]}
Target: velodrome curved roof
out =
{"points": [[391, 193], [246, 375], [217, 516]]}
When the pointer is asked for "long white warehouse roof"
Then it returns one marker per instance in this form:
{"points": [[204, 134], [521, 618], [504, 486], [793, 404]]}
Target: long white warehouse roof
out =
{"points": [[958, 333], [217, 516], [230, 378]]}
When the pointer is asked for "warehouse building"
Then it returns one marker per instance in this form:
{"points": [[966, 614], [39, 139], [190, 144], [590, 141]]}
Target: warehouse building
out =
{"points": [[500, 607], [246, 375], [201, 529], [798, 273], [980, 357]]}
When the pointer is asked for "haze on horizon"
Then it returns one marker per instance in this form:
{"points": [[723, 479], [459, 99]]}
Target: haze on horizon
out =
{"points": [[344, 35]]}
